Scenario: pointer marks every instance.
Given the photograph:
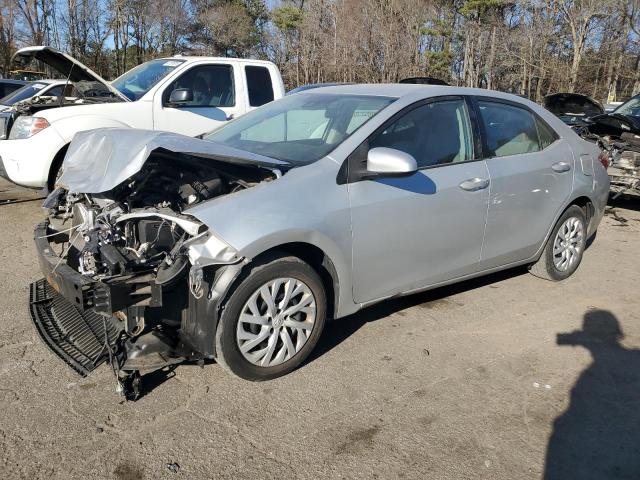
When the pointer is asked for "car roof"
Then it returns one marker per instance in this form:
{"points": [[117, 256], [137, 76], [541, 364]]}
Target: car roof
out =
{"points": [[47, 81], [401, 90], [215, 59], [14, 82]]}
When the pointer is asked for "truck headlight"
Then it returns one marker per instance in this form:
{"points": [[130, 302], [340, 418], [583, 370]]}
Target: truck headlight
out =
{"points": [[25, 127]]}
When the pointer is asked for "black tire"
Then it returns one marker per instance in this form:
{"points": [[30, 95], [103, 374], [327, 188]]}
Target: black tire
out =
{"points": [[228, 353], [53, 177], [545, 267], [56, 170]]}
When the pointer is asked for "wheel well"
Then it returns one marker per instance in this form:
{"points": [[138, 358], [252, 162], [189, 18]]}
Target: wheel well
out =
{"points": [[319, 261], [586, 205], [55, 166]]}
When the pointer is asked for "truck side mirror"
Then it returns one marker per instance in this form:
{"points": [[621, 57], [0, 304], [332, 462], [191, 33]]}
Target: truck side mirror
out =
{"points": [[180, 96]]}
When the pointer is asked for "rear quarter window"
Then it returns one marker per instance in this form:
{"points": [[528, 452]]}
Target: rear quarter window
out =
{"points": [[547, 134]]}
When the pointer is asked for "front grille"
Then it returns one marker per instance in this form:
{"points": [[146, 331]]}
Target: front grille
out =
{"points": [[77, 338]]}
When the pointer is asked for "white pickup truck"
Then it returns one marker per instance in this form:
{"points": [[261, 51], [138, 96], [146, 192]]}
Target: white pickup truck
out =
{"points": [[187, 95]]}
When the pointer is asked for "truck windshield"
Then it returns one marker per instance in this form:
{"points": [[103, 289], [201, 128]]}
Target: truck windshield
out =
{"points": [[300, 128], [139, 80]]}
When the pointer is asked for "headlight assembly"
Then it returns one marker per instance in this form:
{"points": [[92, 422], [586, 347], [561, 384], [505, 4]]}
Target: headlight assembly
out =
{"points": [[25, 127]]}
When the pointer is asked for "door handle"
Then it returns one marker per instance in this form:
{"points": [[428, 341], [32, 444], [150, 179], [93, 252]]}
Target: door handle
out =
{"points": [[230, 117], [474, 184], [561, 167]]}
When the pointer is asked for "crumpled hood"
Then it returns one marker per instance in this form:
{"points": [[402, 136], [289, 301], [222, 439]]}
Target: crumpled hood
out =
{"points": [[99, 160], [64, 64]]}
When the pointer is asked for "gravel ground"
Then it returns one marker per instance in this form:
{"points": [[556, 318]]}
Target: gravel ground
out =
{"points": [[470, 381]]}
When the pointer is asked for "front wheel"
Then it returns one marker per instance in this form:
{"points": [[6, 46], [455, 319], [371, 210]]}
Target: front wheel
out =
{"points": [[272, 320], [564, 249]]}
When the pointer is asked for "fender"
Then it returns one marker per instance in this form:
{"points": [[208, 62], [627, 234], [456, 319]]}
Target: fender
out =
{"points": [[336, 263]]}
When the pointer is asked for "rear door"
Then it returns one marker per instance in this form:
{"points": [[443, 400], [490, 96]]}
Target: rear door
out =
{"points": [[410, 232], [215, 101], [531, 170]]}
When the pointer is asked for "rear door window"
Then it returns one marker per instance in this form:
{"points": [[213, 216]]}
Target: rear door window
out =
{"points": [[259, 85], [509, 130]]}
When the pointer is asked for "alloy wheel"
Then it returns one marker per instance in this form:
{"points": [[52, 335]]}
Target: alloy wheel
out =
{"points": [[276, 322], [568, 244]]}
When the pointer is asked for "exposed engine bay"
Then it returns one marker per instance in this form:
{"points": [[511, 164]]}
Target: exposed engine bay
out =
{"points": [[620, 152], [126, 258], [141, 226]]}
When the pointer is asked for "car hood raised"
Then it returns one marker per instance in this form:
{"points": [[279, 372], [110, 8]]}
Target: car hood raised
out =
{"points": [[64, 64], [572, 104], [99, 160]]}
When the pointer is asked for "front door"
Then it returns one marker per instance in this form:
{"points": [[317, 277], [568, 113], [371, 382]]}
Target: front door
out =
{"points": [[411, 232], [214, 101], [531, 171]]}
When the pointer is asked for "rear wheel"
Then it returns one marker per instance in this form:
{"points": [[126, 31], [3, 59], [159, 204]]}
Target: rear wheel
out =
{"points": [[272, 320], [564, 249]]}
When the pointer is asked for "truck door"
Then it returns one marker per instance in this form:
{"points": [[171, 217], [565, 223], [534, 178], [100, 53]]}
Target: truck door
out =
{"points": [[213, 99]]}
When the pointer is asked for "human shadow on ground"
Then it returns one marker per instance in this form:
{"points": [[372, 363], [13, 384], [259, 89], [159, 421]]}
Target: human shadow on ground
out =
{"points": [[598, 436]]}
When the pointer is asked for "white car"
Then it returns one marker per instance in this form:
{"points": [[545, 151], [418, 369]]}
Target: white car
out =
{"points": [[187, 95], [32, 91]]}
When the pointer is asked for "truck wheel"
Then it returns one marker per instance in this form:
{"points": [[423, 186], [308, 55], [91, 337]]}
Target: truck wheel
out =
{"points": [[564, 249], [56, 171], [272, 320]]}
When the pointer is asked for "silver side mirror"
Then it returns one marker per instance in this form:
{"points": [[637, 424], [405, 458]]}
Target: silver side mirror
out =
{"points": [[391, 162]]}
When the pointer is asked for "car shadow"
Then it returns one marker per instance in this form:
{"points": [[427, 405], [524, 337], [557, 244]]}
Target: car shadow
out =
{"points": [[598, 436], [337, 331]]}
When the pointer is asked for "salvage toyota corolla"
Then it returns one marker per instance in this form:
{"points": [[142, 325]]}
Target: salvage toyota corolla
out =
{"points": [[160, 248]]}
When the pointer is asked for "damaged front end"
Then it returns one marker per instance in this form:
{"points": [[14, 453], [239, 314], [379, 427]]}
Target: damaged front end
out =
{"points": [[131, 278]]}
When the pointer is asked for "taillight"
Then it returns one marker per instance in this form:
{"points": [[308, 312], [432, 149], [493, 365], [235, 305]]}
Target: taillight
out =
{"points": [[604, 158]]}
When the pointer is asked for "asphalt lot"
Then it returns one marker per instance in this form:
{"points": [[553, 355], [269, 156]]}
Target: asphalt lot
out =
{"points": [[470, 381]]}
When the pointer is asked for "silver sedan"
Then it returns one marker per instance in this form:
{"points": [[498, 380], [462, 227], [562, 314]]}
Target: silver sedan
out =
{"points": [[315, 206]]}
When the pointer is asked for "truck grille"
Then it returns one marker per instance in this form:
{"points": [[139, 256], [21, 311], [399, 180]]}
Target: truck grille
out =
{"points": [[77, 338]]}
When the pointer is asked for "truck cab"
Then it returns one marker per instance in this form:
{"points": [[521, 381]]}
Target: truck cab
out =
{"points": [[183, 94]]}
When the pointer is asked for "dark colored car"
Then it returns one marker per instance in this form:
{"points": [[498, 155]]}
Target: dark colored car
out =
{"points": [[573, 109], [424, 81], [8, 86], [624, 119]]}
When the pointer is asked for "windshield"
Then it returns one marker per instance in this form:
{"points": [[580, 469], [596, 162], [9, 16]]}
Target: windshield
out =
{"points": [[139, 80], [22, 93], [301, 128], [631, 108]]}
